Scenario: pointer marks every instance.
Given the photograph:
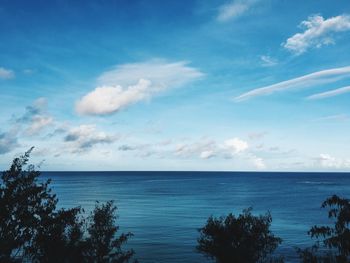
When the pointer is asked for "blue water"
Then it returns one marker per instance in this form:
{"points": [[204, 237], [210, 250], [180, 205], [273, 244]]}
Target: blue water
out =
{"points": [[165, 209]]}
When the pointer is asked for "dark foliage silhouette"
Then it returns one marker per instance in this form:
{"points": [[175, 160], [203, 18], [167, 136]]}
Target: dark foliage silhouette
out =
{"points": [[243, 239], [32, 229], [59, 238], [333, 242], [23, 204], [102, 243]]}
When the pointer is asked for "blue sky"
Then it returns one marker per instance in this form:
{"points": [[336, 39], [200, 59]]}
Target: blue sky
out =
{"points": [[176, 85]]}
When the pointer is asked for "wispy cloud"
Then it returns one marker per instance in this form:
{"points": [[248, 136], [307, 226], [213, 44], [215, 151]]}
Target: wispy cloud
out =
{"points": [[204, 148], [39, 123], [208, 148], [28, 71], [131, 83], [257, 135], [330, 93], [84, 137], [330, 162], [318, 32], [319, 77], [31, 122], [35, 119], [8, 141], [126, 148], [267, 61], [337, 117], [6, 73], [234, 9]]}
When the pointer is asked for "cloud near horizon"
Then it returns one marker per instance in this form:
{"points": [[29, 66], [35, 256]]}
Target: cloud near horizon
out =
{"points": [[330, 162], [236, 145], [319, 78], [84, 137], [318, 32], [258, 163], [131, 83]]}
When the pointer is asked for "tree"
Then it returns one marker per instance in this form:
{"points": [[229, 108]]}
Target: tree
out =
{"points": [[313, 255], [103, 244], [333, 242], [23, 202], [59, 238], [32, 229], [242, 239]]}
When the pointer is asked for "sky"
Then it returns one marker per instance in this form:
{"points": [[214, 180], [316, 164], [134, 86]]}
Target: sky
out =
{"points": [[229, 85]]}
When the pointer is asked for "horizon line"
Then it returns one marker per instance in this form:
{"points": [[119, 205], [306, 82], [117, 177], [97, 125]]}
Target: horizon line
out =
{"points": [[185, 171]]}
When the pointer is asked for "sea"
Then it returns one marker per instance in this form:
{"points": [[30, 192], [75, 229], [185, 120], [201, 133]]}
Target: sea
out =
{"points": [[164, 210]]}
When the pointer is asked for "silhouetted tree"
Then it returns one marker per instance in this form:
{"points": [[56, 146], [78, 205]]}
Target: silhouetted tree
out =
{"points": [[314, 255], [23, 203], [103, 244], [243, 239], [333, 242], [59, 238], [31, 228]]}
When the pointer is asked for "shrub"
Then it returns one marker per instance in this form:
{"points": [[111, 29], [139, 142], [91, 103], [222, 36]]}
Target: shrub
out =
{"points": [[243, 239]]}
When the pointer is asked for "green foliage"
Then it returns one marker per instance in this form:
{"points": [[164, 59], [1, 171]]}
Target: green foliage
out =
{"points": [[32, 229], [243, 239], [333, 242]]}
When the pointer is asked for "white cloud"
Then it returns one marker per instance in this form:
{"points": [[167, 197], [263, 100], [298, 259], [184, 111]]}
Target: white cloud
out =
{"points": [[204, 148], [38, 123], [328, 161], [236, 145], [232, 148], [318, 32], [207, 148], [207, 154], [109, 99], [118, 90], [234, 9], [6, 73], [197, 148], [267, 61], [330, 93], [259, 163], [84, 137], [316, 78], [35, 119]]}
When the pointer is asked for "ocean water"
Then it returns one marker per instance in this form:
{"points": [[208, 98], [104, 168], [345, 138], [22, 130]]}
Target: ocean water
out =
{"points": [[165, 209]]}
